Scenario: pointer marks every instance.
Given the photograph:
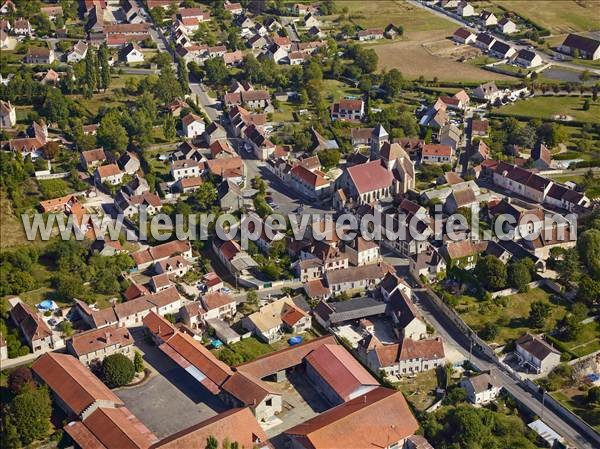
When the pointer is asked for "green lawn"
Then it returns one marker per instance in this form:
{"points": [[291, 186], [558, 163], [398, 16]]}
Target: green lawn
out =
{"points": [[420, 390], [550, 107], [334, 90], [587, 341], [512, 320]]}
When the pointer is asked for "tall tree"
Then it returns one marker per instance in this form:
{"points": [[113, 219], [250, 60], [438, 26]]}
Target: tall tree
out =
{"points": [[182, 74], [104, 66], [169, 127], [91, 72]]}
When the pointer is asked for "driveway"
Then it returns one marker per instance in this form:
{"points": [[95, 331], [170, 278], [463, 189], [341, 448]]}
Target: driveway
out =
{"points": [[171, 400]]}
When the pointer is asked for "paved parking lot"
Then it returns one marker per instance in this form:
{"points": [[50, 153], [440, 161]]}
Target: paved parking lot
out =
{"points": [[171, 400]]}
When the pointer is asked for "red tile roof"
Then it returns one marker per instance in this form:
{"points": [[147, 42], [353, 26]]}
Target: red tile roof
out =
{"points": [[72, 382], [97, 339], [237, 424], [118, 428], [370, 176], [341, 371], [437, 150], [187, 352], [159, 326], [284, 359], [377, 419]]}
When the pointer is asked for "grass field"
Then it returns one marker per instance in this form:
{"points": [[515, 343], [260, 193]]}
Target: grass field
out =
{"points": [[559, 16], [587, 341], [512, 319], [333, 90], [380, 13], [11, 231], [420, 390], [547, 107]]}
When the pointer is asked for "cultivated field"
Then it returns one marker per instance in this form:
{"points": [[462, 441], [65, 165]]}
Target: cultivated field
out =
{"points": [[559, 16], [424, 49], [430, 58]]}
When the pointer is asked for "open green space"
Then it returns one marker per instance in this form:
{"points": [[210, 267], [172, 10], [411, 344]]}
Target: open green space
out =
{"points": [[512, 318], [558, 16], [380, 13], [419, 391], [552, 107]]}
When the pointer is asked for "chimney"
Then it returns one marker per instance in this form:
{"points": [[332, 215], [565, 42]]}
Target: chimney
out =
{"points": [[107, 337]]}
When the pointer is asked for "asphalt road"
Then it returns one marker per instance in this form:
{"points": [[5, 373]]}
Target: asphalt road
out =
{"points": [[450, 333]]}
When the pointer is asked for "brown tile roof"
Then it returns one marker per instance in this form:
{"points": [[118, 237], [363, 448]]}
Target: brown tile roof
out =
{"points": [[135, 291], [286, 358], [230, 167], [429, 349], [118, 428], [215, 300], [83, 436], [96, 155], [249, 390], [30, 322], [536, 346], [340, 370], [462, 33], [370, 176], [159, 326], [109, 170], [372, 271], [375, 419], [464, 197], [97, 339], [464, 248], [161, 251], [72, 382], [437, 150], [292, 316], [190, 118], [316, 287], [187, 352], [237, 424]]}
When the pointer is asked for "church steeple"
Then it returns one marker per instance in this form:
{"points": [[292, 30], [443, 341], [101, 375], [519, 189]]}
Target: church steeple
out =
{"points": [[378, 137]]}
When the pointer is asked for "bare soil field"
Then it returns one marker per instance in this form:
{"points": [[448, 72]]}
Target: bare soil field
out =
{"points": [[431, 55]]}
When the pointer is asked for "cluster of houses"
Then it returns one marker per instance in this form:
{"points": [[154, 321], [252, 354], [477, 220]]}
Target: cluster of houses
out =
{"points": [[484, 18], [487, 43]]}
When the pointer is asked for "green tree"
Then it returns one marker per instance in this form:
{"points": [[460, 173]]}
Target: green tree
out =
{"points": [[252, 298], [589, 291], [182, 74], [111, 133], [117, 370], [588, 246], [30, 413], [538, 314], [392, 83], [329, 158], [491, 272], [168, 87], [91, 73], [568, 267], [169, 129], [205, 196], [138, 362], [586, 105], [519, 276], [216, 71], [104, 66]]}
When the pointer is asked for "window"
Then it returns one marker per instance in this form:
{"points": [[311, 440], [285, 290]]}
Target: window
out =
{"points": [[269, 402]]}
